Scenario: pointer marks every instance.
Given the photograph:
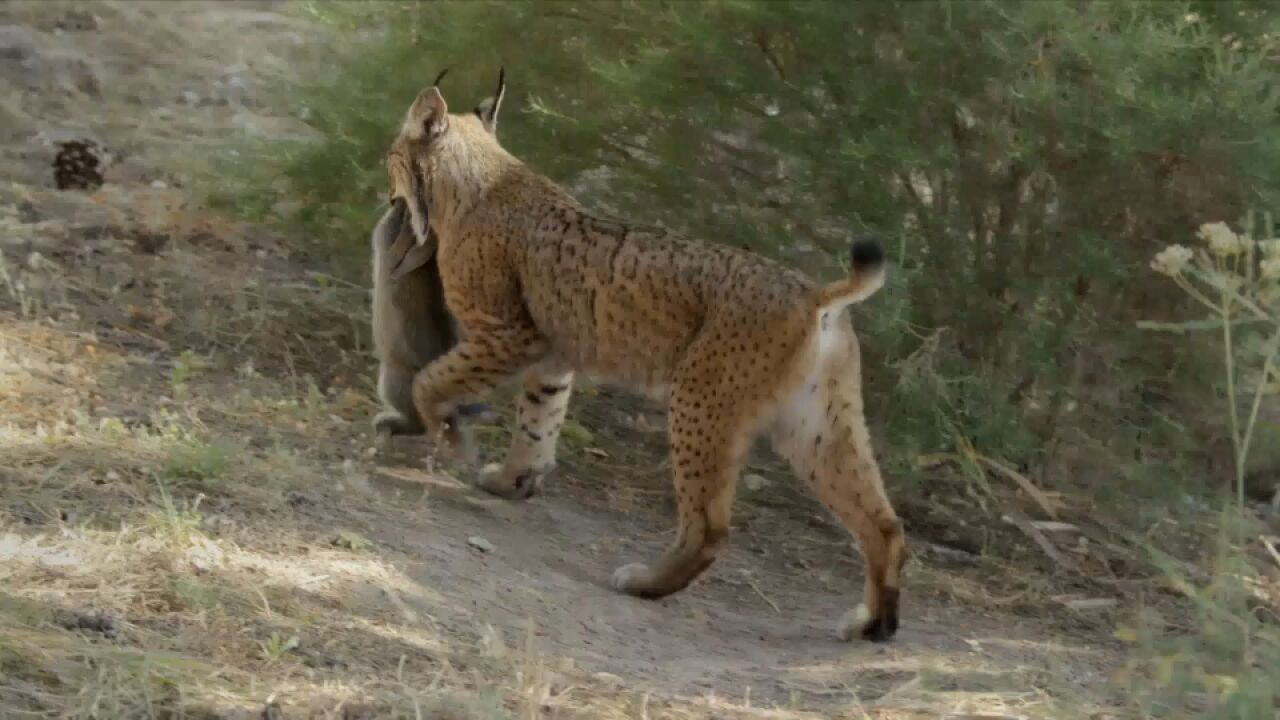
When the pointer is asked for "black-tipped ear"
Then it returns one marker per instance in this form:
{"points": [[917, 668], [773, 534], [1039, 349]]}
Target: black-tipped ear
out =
{"points": [[487, 110], [440, 77]]}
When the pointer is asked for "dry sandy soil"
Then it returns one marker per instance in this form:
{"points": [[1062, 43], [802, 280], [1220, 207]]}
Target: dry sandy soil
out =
{"points": [[191, 523]]}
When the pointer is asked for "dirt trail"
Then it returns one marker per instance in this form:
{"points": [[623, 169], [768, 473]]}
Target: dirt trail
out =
{"points": [[761, 621], [162, 80]]}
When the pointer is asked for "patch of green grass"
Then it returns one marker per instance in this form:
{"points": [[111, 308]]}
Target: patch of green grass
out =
{"points": [[276, 646], [198, 461], [132, 683], [185, 367], [351, 540], [180, 525], [197, 595]]}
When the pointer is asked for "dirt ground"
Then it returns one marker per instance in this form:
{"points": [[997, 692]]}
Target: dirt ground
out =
{"points": [[190, 516]]}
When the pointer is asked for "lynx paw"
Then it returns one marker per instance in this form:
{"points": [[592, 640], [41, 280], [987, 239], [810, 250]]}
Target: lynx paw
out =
{"points": [[497, 480], [629, 578], [859, 622]]}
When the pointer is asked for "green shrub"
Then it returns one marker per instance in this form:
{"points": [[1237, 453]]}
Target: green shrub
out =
{"points": [[1021, 159]]}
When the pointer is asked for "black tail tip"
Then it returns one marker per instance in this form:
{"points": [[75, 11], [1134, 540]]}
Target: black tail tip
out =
{"points": [[866, 254]]}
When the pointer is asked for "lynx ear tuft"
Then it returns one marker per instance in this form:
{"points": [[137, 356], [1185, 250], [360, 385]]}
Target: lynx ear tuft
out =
{"points": [[487, 110]]}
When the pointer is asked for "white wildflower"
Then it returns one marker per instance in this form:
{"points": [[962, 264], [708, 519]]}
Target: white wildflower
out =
{"points": [[1171, 260], [1271, 267], [1220, 239]]}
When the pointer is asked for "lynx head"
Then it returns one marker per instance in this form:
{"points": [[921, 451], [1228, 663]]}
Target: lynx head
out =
{"points": [[441, 153]]}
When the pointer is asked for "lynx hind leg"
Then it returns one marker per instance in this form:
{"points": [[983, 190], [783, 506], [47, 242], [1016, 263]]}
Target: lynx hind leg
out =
{"points": [[395, 389], [469, 370], [821, 431], [540, 413], [706, 447]]}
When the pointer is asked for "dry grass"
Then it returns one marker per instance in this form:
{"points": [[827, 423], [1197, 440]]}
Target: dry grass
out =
{"points": [[187, 510], [154, 568], [154, 561]]}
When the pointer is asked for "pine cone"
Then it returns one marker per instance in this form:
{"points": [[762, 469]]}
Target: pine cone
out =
{"points": [[78, 165]]}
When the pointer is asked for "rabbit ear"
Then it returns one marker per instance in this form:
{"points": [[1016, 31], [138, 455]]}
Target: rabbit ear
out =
{"points": [[406, 254]]}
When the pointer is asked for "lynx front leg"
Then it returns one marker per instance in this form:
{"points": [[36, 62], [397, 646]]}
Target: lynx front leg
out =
{"points": [[472, 368], [400, 417], [540, 413]]}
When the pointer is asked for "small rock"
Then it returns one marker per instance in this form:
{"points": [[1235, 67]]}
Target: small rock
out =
{"points": [[82, 75], [190, 97], [1090, 603], [16, 43], [150, 243], [234, 84], [755, 482], [219, 524], [296, 499], [480, 544], [204, 555], [97, 621], [27, 213], [76, 21], [608, 678]]}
